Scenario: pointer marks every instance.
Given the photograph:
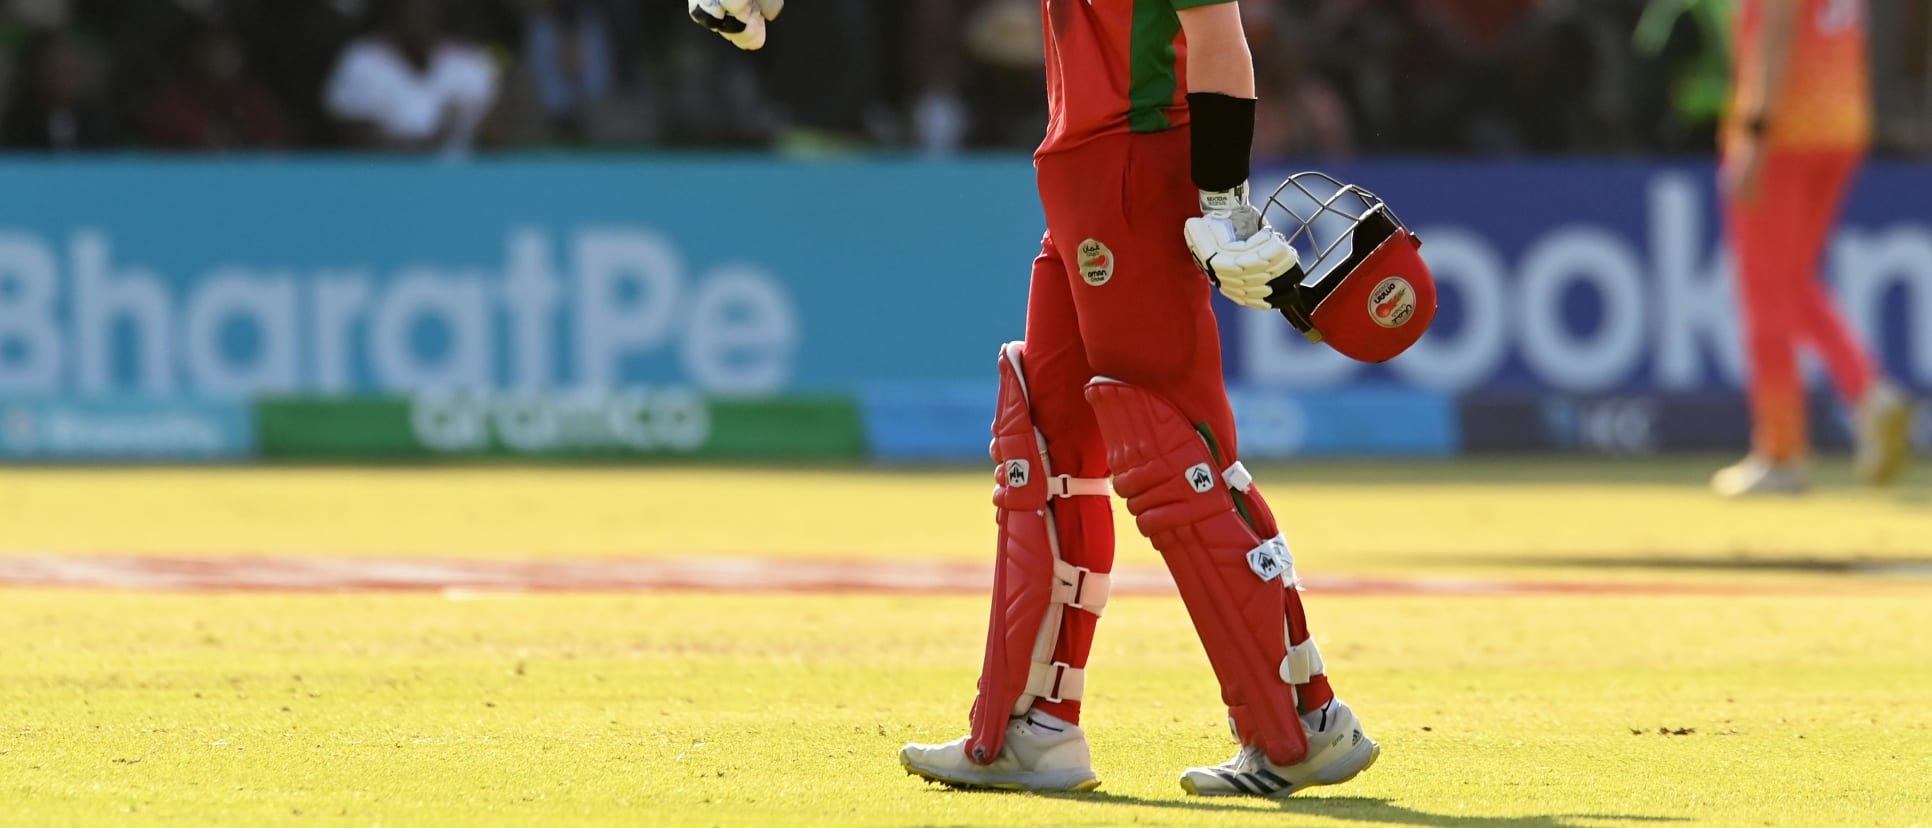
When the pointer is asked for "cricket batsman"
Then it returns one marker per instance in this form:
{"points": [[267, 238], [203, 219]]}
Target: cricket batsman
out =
{"points": [[1144, 177], [1798, 125]]}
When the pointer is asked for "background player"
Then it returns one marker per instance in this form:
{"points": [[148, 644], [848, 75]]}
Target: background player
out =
{"points": [[1152, 120], [1799, 124]]}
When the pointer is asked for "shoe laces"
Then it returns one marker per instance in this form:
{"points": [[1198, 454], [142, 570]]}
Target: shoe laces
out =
{"points": [[1244, 759]]}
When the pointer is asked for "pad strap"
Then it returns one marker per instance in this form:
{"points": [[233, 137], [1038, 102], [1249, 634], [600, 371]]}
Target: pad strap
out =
{"points": [[1018, 474], [1304, 662], [1081, 588], [1066, 485], [1055, 682]]}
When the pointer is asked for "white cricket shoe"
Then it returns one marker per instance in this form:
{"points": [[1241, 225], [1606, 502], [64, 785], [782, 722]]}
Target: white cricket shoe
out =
{"points": [[1337, 751], [1882, 435], [1041, 753], [1759, 475]]}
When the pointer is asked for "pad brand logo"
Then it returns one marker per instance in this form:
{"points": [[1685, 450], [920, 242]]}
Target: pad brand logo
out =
{"points": [[1018, 472], [1272, 560], [1266, 562], [1201, 478], [1096, 263], [1392, 303]]}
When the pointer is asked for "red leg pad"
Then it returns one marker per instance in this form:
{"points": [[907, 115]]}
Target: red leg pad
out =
{"points": [[1025, 628], [1022, 587], [1173, 485]]}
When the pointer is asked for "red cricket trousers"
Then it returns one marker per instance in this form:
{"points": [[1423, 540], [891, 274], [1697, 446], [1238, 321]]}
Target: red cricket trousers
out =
{"points": [[1778, 240], [1115, 293]]}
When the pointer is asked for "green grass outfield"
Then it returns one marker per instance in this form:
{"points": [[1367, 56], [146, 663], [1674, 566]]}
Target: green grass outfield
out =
{"points": [[1793, 687]]}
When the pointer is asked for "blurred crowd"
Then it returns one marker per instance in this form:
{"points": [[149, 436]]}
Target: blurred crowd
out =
{"points": [[452, 76]]}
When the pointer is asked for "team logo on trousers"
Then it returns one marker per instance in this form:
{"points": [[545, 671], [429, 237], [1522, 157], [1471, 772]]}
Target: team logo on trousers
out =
{"points": [[1096, 263], [1201, 478], [1392, 303]]}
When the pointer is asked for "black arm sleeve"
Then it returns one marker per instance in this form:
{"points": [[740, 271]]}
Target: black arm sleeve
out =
{"points": [[1223, 128]]}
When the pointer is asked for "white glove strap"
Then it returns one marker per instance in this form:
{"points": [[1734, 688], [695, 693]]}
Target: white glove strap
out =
{"points": [[1224, 202]]}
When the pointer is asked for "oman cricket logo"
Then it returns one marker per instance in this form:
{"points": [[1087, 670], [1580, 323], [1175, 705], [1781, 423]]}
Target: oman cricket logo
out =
{"points": [[1392, 303], [1096, 263]]}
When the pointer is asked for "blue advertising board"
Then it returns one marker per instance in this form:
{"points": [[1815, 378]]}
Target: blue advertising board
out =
{"points": [[756, 276], [1593, 277], [361, 276], [123, 429], [890, 280], [949, 422]]}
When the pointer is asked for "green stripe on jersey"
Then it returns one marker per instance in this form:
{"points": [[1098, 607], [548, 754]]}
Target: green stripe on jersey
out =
{"points": [[1151, 58], [1150, 61]]}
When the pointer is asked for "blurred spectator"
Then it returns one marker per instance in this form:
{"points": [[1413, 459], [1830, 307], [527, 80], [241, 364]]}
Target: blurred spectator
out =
{"points": [[212, 103], [823, 76], [1568, 80], [935, 72], [1901, 42], [1334, 77], [1299, 113], [567, 45], [978, 68], [1483, 45], [1006, 54], [293, 45], [410, 87], [711, 93], [41, 14], [53, 108], [1687, 43], [144, 40]]}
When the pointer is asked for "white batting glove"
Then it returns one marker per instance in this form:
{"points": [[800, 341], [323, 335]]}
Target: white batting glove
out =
{"points": [[1237, 250], [740, 21]]}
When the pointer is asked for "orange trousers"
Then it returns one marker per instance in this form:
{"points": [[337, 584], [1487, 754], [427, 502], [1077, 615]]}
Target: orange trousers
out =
{"points": [[1778, 242]]}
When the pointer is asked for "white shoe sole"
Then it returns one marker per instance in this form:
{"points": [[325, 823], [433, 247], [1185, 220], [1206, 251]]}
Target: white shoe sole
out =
{"points": [[1359, 759], [1773, 483], [1062, 781], [1771, 491]]}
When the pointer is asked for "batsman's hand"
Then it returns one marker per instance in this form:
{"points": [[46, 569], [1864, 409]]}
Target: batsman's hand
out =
{"points": [[740, 21], [1237, 249]]}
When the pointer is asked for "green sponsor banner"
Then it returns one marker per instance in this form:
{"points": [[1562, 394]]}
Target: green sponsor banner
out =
{"points": [[629, 425]]}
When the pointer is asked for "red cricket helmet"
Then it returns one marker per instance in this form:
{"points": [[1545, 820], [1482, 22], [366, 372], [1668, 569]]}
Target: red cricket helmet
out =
{"points": [[1371, 295]]}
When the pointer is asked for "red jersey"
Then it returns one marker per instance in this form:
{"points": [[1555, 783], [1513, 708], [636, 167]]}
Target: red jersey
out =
{"points": [[1825, 102], [1114, 66]]}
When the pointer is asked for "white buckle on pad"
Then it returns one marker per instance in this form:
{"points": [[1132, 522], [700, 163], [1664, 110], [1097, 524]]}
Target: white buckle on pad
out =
{"points": [[1238, 478]]}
